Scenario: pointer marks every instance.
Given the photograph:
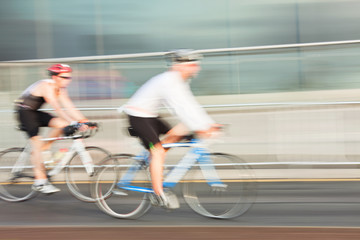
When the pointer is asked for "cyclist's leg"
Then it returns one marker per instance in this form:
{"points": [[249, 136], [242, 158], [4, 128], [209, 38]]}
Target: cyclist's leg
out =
{"points": [[176, 133], [36, 158], [41, 184], [157, 153], [32, 121], [57, 125], [149, 130], [166, 199]]}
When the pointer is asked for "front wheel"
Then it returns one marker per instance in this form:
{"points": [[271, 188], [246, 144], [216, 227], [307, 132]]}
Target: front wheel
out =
{"points": [[16, 175], [115, 174], [231, 192], [77, 178]]}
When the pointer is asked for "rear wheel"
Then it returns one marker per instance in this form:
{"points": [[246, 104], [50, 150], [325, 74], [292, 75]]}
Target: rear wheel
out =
{"points": [[16, 175], [115, 174], [230, 197]]}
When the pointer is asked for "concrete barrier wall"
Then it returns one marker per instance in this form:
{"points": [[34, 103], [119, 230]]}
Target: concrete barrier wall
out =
{"points": [[329, 133]]}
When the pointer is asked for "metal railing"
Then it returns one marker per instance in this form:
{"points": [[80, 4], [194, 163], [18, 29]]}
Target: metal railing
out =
{"points": [[204, 51]]}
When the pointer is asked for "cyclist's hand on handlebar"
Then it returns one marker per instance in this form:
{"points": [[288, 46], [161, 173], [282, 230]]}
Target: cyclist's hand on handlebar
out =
{"points": [[217, 127], [83, 126], [213, 131]]}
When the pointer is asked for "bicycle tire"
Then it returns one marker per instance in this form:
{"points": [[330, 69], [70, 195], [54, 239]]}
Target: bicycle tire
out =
{"points": [[15, 187], [219, 201], [121, 203], [76, 177]]}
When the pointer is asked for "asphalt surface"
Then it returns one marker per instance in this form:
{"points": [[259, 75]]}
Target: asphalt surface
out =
{"points": [[282, 210]]}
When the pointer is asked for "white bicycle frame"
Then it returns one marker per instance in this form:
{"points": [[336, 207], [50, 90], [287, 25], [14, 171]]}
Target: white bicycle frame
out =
{"points": [[77, 147]]}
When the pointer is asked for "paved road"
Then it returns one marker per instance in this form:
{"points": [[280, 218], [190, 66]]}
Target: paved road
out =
{"points": [[294, 209]]}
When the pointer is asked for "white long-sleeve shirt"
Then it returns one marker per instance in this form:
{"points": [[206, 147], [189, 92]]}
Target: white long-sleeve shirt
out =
{"points": [[170, 90]]}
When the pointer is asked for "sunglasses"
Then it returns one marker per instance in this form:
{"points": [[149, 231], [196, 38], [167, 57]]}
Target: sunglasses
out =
{"points": [[65, 77]]}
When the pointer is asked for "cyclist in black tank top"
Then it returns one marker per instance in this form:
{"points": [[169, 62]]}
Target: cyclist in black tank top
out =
{"points": [[52, 91], [32, 102]]}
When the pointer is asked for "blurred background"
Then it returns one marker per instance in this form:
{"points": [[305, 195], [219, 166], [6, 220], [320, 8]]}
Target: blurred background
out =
{"points": [[292, 112], [282, 104], [42, 29]]}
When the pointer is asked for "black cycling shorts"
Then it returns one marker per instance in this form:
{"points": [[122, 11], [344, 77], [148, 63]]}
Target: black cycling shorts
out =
{"points": [[148, 129], [31, 120]]}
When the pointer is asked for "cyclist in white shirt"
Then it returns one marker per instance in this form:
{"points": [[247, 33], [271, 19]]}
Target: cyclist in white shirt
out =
{"points": [[170, 89]]}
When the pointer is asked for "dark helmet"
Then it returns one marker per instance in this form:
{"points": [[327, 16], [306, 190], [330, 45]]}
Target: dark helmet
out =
{"points": [[59, 68], [184, 55]]}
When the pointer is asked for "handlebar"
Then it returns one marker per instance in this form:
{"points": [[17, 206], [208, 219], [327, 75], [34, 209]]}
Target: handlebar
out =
{"points": [[71, 130]]}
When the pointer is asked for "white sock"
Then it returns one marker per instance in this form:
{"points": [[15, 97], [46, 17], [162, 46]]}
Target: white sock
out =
{"points": [[40, 181]]}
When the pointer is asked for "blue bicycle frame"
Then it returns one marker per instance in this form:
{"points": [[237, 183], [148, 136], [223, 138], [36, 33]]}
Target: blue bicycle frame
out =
{"points": [[196, 154]]}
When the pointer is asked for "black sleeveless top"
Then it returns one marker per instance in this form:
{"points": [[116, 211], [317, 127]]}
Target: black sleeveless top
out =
{"points": [[29, 101]]}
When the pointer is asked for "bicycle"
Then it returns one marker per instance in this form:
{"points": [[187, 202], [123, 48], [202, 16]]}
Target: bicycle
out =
{"points": [[16, 175], [215, 185]]}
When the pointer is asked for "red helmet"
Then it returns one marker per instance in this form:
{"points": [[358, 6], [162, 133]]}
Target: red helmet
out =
{"points": [[59, 68]]}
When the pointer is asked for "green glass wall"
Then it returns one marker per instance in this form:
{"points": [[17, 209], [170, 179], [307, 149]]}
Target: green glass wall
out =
{"points": [[37, 29]]}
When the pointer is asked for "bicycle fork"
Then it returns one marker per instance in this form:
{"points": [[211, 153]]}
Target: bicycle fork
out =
{"points": [[210, 173], [202, 156], [84, 156]]}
